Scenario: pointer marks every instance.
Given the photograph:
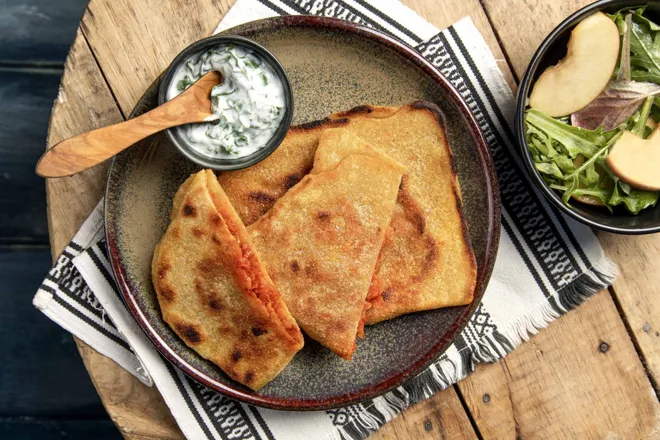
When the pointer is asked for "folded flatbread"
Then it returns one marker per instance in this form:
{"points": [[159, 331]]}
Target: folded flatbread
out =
{"points": [[427, 260], [214, 292], [321, 240]]}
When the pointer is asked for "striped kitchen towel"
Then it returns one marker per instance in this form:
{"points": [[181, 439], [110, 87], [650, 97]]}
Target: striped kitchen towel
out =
{"points": [[546, 265]]}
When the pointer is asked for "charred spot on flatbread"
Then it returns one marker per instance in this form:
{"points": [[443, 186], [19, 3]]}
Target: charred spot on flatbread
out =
{"points": [[215, 304], [167, 294], [213, 290], [163, 269], [360, 109], [188, 332], [258, 331], [291, 181], [333, 222], [189, 210]]}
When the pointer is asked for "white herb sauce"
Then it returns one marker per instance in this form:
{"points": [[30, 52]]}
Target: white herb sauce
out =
{"points": [[248, 106]]}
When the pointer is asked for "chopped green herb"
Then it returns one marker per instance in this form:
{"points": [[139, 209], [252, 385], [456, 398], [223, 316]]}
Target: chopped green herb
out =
{"points": [[184, 83], [247, 105]]}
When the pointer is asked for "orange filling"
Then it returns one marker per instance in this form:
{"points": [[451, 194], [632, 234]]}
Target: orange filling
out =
{"points": [[255, 283]]}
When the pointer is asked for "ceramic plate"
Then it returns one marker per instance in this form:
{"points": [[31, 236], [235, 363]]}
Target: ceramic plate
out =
{"points": [[333, 65]]}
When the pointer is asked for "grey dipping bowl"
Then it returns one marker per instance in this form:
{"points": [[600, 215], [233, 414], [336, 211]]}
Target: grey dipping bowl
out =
{"points": [[175, 134]]}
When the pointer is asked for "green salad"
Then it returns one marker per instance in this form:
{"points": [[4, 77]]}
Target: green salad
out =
{"points": [[605, 90]]}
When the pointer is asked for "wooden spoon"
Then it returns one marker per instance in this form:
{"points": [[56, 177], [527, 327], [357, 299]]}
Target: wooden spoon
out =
{"points": [[88, 149]]}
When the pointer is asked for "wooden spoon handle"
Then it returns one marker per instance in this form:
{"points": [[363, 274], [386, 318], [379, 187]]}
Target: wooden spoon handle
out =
{"points": [[88, 149]]}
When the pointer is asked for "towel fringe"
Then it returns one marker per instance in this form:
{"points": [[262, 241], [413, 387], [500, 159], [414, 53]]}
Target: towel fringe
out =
{"points": [[490, 347], [590, 282]]}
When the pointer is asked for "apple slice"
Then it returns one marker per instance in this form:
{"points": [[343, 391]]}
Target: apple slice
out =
{"points": [[584, 72], [637, 161]]}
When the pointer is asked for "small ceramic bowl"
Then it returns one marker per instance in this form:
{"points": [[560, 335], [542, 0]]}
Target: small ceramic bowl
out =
{"points": [[548, 54], [176, 134]]}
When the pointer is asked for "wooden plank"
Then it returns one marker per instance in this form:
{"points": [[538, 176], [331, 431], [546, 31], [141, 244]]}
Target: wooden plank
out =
{"points": [[27, 99], [34, 354], [38, 31], [521, 30], [558, 383], [85, 103], [131, 54], [578, 378], [38, 429], [440, 417], [638, 291], [444, 14]]}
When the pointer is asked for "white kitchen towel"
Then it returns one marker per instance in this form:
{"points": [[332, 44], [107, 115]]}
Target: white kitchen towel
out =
{"points": [[546, 265]]}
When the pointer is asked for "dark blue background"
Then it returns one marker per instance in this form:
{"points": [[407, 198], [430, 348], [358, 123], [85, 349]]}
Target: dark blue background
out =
{"points": [[45, 392]]}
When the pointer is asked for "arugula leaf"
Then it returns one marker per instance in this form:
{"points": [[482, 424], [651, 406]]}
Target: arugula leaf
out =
{"points": [[602, 194], [635, 200], [590, 176], [585, 176], [645, 48], [624, 56], [550, 169], [573, 185], [565, 164], [639, 13], [655, 110], [640, 125], [574, 140]]}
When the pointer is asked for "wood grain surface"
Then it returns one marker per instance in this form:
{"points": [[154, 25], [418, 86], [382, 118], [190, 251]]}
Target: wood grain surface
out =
{"points": [[38, 31], [25, 91], [85, 103], [635, 294], [579, 378]]}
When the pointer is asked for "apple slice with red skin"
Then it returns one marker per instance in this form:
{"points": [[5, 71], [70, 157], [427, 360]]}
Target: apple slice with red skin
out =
{"points": [[583, 73], [636, 161]]}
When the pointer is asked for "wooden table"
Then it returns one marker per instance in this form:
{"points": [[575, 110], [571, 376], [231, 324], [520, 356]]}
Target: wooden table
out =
{"points": [[591, 374]]}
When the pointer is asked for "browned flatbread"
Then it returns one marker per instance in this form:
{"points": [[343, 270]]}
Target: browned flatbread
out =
{"points": [[321, 240], [214, 292], [254, 190], [427, 261]]}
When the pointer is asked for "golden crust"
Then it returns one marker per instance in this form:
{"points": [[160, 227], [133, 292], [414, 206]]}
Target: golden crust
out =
{"points": [[427, 261], [321, 240], [254, 190], [214, 292]]}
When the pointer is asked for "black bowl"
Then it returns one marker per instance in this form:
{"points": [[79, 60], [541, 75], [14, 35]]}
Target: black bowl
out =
{"points": [[549, 53], [223, 164]]}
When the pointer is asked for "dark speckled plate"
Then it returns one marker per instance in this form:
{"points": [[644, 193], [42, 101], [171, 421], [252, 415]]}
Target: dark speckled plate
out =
{"points": [[333, 65]]}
